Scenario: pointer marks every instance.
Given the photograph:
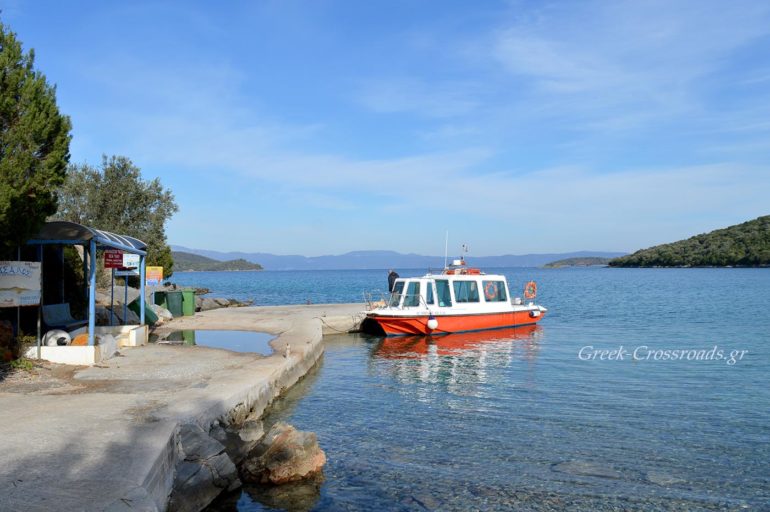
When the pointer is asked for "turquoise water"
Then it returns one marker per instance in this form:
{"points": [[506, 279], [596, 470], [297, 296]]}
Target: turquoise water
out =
{"points": [[532, 419]]}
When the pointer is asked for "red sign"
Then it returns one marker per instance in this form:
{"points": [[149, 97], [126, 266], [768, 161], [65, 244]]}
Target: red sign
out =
{"points": [[113, 258]]}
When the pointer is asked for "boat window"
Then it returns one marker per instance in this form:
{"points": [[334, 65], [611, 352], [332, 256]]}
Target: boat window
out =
{"points": [[443, 294], [412, 297], [395, 296], [429, 293], [466, 291], [494, 291]]}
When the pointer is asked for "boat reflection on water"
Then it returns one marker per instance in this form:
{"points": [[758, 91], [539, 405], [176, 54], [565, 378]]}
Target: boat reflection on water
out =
{"points": [[459, 362], [412, 347]]}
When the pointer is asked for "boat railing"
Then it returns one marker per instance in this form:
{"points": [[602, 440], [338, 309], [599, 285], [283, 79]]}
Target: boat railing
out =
{"points": [[378, 299]]}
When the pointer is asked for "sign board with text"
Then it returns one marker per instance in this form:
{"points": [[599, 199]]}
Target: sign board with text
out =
{"points": [[113, 258], [130, 260], [153, 276], [128, 272], [19, 283]]}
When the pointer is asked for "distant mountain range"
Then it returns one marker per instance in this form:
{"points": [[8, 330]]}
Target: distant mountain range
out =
{"points": [[359, 260]]}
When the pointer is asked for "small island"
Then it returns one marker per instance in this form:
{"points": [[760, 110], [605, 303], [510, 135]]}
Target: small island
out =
{"points": [[578, 262], [188, 262], [742, 245]]}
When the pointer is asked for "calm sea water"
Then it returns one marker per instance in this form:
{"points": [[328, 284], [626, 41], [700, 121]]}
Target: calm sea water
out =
{"points": [[518, 420]]}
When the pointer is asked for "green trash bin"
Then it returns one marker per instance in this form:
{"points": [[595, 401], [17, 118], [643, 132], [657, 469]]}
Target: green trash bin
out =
{"points": [[160, 299], [174, 300], [188, 302], [189, 337], [149, 315]]}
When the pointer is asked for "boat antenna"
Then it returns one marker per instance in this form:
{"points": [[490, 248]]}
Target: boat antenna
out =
{"points": [[446, 248], [465, 249]]}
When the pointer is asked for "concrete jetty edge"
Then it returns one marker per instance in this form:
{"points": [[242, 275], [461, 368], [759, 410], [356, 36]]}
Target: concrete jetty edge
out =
{"points": [[108, 437]]}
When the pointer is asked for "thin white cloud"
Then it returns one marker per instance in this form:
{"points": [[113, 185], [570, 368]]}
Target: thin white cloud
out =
{"points": [[621, 58], [434, 99]]}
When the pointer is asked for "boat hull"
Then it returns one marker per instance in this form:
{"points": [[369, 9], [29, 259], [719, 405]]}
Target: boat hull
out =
{"points": [[448, 324]]}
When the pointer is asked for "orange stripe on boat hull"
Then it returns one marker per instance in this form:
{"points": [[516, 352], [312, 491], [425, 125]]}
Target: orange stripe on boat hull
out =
{"points": [[410, 325]]}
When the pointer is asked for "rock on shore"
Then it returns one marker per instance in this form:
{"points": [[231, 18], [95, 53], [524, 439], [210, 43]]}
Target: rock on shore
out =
{"points": [[284, 455]]}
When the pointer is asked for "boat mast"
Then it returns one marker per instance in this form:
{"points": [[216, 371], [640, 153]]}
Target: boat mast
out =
{"points": [[446, 248]]}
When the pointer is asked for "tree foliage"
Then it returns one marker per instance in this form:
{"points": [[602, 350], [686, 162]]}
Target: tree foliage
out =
{"points": [[115, 198], [34, 144], [744, 245]]}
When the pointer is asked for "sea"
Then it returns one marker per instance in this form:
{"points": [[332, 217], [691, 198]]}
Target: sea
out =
{"points": [[641, 389]]}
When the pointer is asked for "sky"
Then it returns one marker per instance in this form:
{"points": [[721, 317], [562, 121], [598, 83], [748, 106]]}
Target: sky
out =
{"points": [[322, 126]]}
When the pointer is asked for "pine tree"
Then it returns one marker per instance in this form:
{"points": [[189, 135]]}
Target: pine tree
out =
{"points": [[34, 144]]}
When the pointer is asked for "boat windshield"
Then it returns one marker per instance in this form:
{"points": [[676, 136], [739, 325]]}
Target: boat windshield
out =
{"points": [[412, 297], [443, 293], [395, 296]]}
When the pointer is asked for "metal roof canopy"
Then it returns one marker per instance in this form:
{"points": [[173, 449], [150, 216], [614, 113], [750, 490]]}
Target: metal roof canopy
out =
{"points": [[72, 233]]}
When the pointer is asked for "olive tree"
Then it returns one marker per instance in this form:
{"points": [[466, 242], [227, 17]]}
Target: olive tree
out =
{"points": [[114, 197]]}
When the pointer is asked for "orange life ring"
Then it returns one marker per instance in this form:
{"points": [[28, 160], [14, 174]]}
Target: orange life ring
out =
{"points": [[490, 290], [530, 290]]}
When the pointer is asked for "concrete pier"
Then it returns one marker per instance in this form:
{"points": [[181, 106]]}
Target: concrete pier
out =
{"points": [[106, 437]]}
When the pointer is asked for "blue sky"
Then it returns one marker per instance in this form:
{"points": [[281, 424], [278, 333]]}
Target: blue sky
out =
{"points": [[320, 127]]}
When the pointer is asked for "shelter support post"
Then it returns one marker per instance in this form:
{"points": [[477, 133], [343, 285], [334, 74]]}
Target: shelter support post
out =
{"points": [[85, 271], [40, 307], [92, 293], [125, 300], [112, 296], [142, 261]]}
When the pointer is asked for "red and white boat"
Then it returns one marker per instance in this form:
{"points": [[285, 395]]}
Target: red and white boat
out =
{"points": [[460, 299]]}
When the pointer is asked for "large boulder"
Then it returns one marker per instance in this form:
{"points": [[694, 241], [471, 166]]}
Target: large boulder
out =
{"points": [[207, 304], [164, 315], [284, 455], [223, 303], [238, 440], [102, 315], [204, 473], [130, 319]]}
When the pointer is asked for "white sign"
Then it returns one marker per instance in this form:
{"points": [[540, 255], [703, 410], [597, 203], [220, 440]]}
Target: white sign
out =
{"points": [[19, 283], [130, 260], [127, 273]]}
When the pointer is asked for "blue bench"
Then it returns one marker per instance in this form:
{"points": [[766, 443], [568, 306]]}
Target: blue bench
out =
{"points": [[59, 316]]}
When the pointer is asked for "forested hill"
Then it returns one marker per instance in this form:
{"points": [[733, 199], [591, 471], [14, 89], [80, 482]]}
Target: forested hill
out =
{"points": [[577, 262], [185, 261], [742, 245]]}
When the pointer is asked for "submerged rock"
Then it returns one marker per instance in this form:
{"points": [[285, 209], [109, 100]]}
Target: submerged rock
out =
{"points": [[586, 468], [284, 455], [662, 479], [299, 496]]}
